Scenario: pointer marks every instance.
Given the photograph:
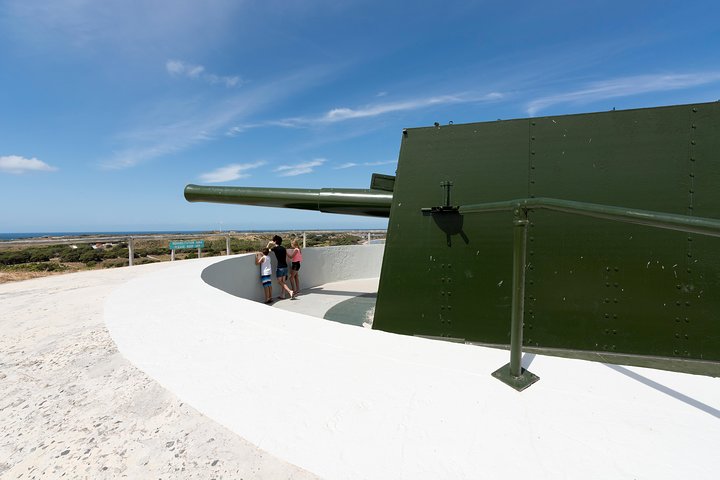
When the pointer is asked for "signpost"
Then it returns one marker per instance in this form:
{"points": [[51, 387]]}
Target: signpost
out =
{"points": [[184, 245]]}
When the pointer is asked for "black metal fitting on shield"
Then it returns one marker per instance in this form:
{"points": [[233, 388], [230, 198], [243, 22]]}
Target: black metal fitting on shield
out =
{"points": [[447, 217]]}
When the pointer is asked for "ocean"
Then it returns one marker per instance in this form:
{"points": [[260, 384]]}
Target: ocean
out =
{"points": [[26, 235]]}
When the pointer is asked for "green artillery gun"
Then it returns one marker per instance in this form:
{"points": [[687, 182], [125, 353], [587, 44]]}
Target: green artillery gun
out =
{"points": [[595, 233], [374, 202]]}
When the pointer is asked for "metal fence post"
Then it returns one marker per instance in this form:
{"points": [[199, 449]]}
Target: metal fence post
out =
{"points": [[131, 251], [227, 244], [304, 240]]}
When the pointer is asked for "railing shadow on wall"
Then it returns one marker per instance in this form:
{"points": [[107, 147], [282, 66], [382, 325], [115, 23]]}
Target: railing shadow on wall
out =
{"points": [[239, 276]]}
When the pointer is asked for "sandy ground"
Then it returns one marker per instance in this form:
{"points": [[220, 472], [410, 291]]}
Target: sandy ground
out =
{"points": [[6, 277], [71, 406]]}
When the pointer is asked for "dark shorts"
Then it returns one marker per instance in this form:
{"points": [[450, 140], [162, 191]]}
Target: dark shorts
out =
{"points": [[266, 280], [295, 266], [281, 272]]}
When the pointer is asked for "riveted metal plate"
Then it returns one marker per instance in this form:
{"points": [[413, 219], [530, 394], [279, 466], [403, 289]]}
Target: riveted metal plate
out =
{"points": [[591, 285]]}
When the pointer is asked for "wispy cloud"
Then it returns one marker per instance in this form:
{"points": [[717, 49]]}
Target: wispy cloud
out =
{"points": [[623, 87], [16, 164], [155, 142], [230, 172], [170, 127], [364, 164], [342, 114], [287, 123], [299, 168], [178, 68]]}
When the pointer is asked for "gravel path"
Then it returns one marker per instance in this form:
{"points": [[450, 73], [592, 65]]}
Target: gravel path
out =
{"points": [[71, 406]]}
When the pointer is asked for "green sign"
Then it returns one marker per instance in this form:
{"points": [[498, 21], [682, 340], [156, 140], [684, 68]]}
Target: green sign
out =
{"points": [[187, 244]]}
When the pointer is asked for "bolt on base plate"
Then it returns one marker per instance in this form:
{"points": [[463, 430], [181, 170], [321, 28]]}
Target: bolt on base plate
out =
{"points": [[520, 383]]}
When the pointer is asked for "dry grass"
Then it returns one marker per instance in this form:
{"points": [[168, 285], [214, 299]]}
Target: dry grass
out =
{"points": [[6, 277]]}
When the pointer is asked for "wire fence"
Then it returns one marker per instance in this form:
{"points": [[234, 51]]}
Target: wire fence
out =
{"points": [[156, 246]]}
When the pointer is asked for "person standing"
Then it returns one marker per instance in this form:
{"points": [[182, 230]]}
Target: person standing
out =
{"points": [[282, 268], [263, 259], [295, 256]]}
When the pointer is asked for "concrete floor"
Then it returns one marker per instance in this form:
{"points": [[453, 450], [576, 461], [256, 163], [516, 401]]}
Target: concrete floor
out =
{"points": [[352, 403], [149, 372], [317, 301]]}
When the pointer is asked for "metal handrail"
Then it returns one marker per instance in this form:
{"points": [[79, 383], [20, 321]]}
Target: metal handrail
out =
{"points": [[130, 239], [683, 223], [513, 374]]}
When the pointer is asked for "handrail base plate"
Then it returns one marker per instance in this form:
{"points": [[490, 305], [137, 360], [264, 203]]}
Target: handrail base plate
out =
{"points": [[520, 383]]}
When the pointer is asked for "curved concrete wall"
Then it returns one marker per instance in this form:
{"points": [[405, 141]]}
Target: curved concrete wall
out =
{"points": [[239, 276]]}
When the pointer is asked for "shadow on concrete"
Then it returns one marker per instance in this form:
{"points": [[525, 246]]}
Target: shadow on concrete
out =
{"points": [[353, 311], [346, 293], [666, 390]]}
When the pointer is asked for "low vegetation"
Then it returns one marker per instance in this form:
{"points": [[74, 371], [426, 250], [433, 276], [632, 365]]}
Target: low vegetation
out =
{"points": [[29, 261]]}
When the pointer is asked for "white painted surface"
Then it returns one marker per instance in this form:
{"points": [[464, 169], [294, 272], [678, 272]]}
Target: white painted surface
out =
{"points": [[351, 403]]}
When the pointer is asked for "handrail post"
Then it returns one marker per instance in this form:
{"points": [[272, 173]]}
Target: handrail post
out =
{"points": [[513, 374], [518, 296]]}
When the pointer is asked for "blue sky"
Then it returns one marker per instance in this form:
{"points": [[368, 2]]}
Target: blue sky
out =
{"points": [[109, 108]]}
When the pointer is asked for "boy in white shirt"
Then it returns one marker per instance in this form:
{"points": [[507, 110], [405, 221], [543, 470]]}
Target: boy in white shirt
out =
{"points": [[263, 259]]}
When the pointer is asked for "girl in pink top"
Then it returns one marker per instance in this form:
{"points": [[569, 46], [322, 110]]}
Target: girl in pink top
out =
{"points": [[294, 254]]}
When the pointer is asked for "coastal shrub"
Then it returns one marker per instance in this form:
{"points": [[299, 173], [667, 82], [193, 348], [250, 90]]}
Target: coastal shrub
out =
{"points": [[115, 263], [329, 239], [69, 254], [218, 246], [40, 256], [117, 251], [345, 240], [210, 251], [14, 257], [151, 247], [89, 256], [243, 245]]}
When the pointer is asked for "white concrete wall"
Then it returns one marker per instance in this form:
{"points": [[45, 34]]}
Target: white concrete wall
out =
{"points": [[239, 276]]}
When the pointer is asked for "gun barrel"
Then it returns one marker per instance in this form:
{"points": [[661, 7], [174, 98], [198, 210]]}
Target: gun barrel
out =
{"points": [[373, 203]]}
